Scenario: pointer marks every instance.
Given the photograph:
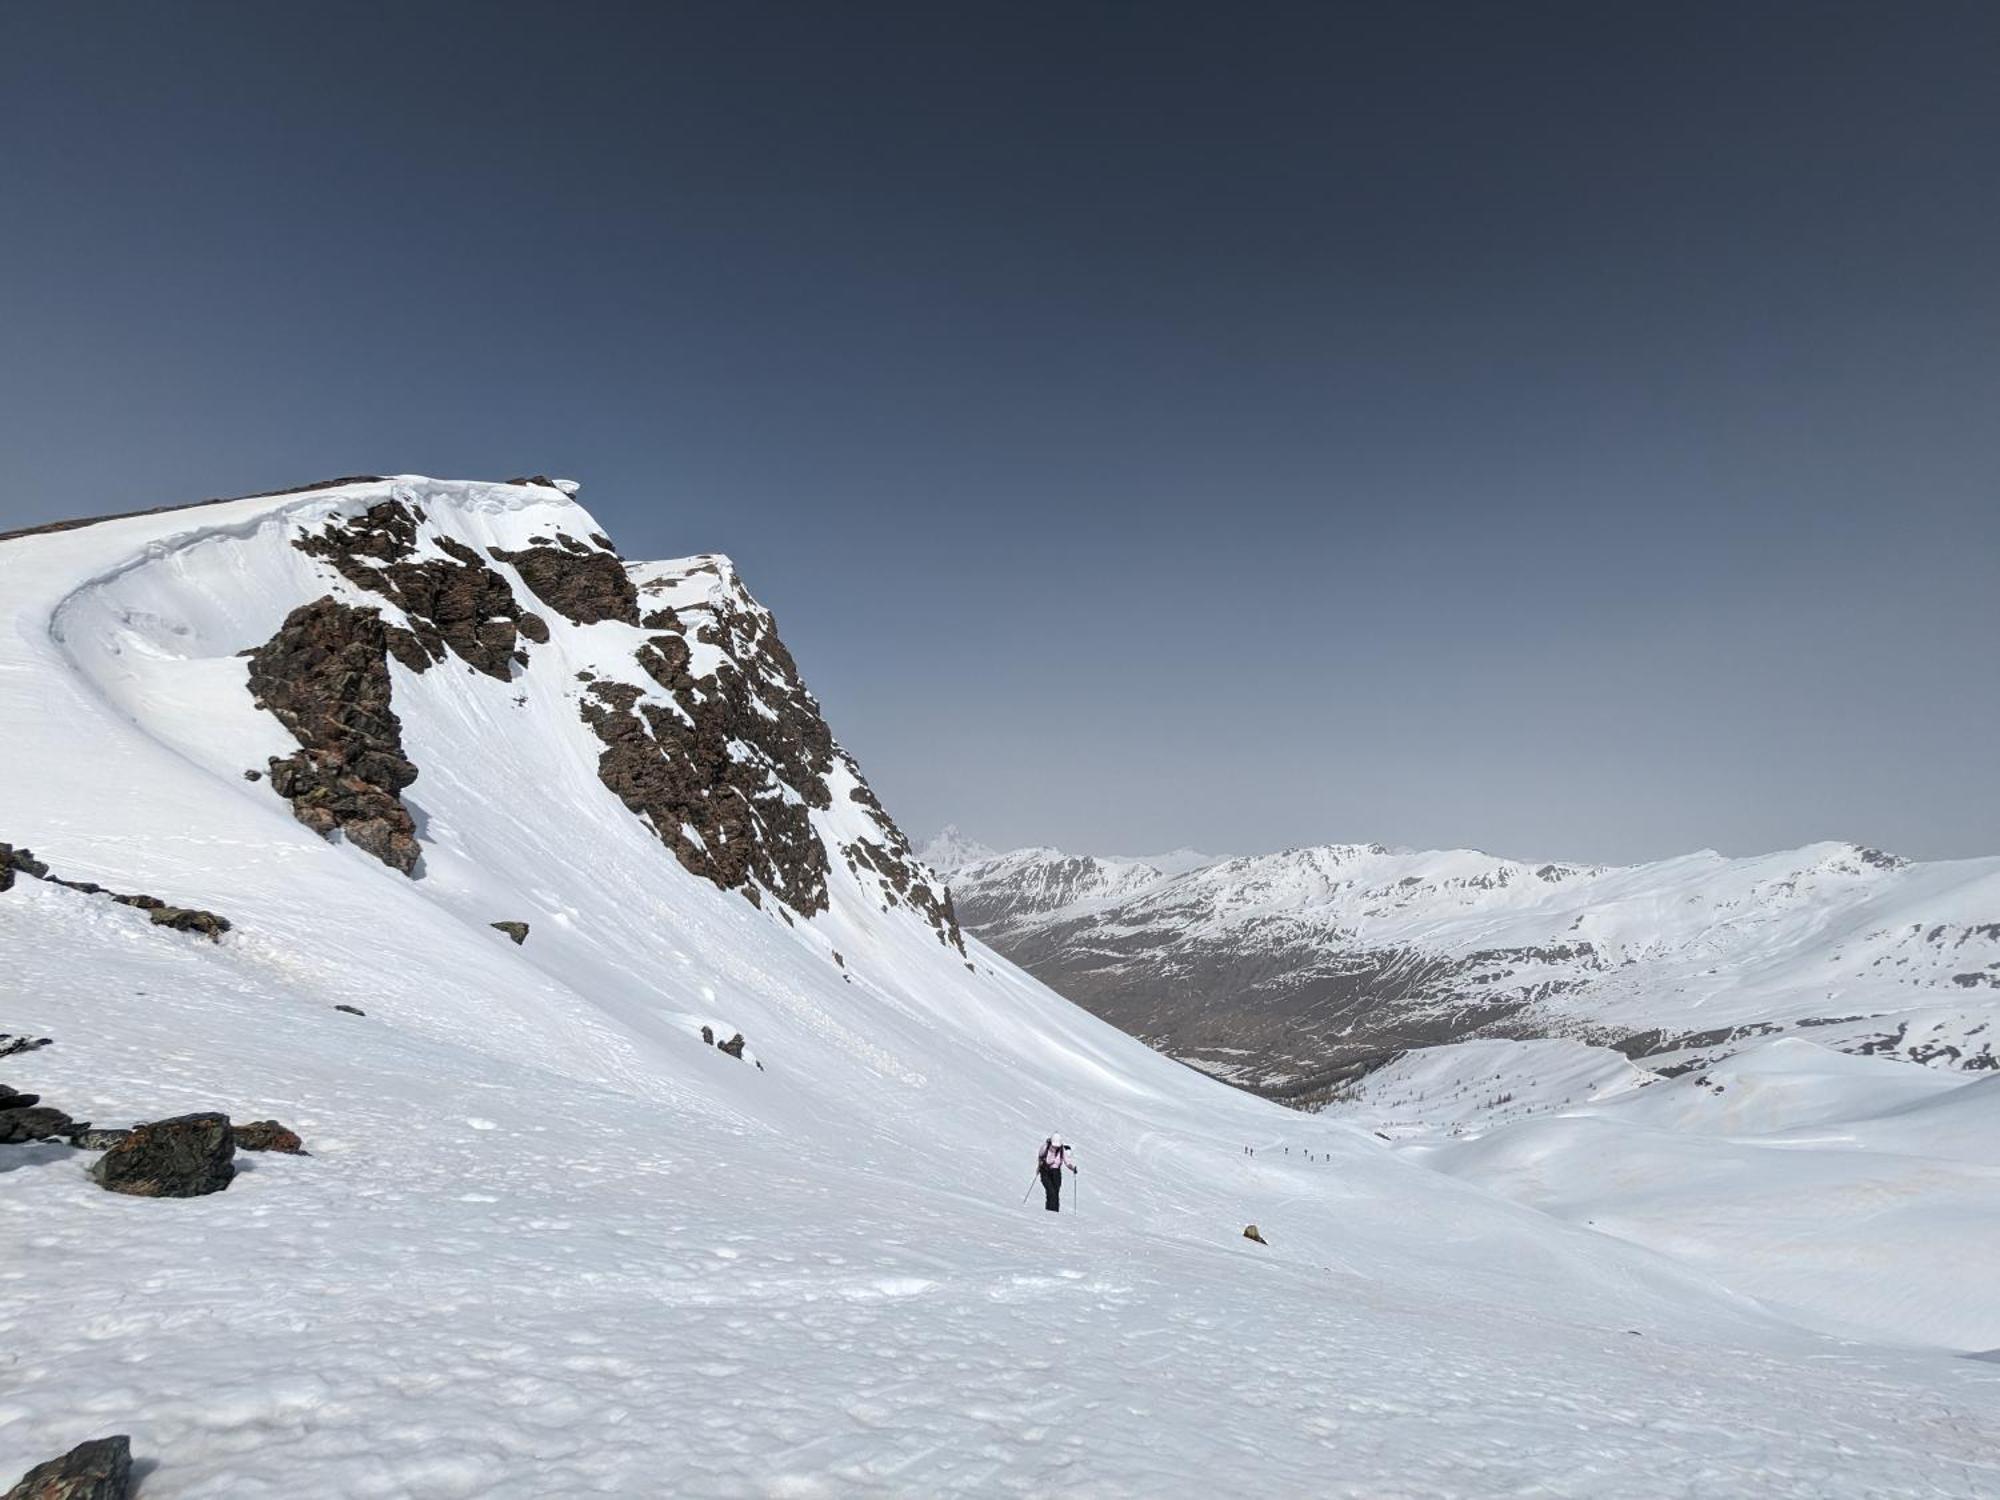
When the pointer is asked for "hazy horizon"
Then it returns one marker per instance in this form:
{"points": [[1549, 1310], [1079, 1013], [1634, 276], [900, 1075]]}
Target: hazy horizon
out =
{"points": [[1556, 429]]}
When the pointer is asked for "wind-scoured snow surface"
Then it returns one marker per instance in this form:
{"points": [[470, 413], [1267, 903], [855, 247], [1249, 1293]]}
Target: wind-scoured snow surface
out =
{"points": [[550, 1244]]}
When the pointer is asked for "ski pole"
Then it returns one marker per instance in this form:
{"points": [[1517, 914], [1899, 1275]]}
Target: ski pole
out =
{"points": [[1031, 1188]]}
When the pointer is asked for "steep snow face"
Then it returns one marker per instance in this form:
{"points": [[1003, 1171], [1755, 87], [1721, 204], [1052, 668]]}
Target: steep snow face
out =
{"points": [[550, 1243], [1294, 971]]}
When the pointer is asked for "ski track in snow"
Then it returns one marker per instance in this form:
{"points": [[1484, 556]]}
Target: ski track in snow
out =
{"points": [[548, 1244]]}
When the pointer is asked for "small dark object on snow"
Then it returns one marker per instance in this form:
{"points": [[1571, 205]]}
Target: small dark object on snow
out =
{"points": [[253, 775], [185, 1157], [839, 962], [100, 1469], [87, 1137], [11, 1045], [1250, 1233], [734, 1046], [267, 1135], [708, 1035], [352, 1010], [518, 931]]}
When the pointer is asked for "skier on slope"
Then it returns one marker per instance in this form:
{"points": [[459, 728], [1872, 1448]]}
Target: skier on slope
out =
{"points": [[1049, 1164]]}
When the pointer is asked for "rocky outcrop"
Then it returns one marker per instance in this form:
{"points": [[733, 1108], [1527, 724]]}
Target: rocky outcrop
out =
{"points": [[518, 931], [1251, 1232], [352, 1010], [185, 1157], [24, 1118], [267, 1135], [325, 677], [19, 862], [721, 748], [582, 582], [206, 924], [178, 918], [13, 1046], [453, 602], [734, 1046], [100, 1469]]}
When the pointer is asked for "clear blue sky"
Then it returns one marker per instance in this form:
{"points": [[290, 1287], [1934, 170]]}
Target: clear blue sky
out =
{"points": [[1571, 430]]}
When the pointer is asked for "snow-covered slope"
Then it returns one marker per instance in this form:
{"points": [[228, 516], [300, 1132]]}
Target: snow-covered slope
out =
{"points": [[550, 1243], [1294, 971], [1860, 1193]]}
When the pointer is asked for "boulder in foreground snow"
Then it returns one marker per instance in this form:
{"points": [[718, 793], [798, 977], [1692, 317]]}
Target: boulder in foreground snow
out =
{"points": [[100, 1469], [21, 1123], [185, 1157]]}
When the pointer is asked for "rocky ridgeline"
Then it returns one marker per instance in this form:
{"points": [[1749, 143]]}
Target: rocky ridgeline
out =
{"points": [[727, 765], [22, 862], [1292, 974]]}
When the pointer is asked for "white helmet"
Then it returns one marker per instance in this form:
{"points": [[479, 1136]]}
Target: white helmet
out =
{"points": [[1056, 1140]]}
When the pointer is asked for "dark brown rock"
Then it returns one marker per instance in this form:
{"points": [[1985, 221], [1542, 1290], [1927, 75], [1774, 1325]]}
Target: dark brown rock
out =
{"points": [[34, 1122], [13, 1046], [583, 585], [267, 1135], [454, 603], [352, 1010], [734, 1046], [19, 861], [518, 931], [100, 1469], [177, 918], [1250, 1233], [185, 1157], [708, 1035], [325, 677], [668, 757]]}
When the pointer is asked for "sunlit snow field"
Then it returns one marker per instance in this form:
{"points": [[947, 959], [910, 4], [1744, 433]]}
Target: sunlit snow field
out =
{"points": [[549, 1244]]}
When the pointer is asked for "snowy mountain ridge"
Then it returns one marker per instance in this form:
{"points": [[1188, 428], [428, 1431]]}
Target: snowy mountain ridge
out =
{"points": [[552, 1241], [1303, 966]]}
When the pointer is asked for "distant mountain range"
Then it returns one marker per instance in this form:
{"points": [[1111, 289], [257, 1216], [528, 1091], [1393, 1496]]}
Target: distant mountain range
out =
{"points": [[1293, 973]]}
